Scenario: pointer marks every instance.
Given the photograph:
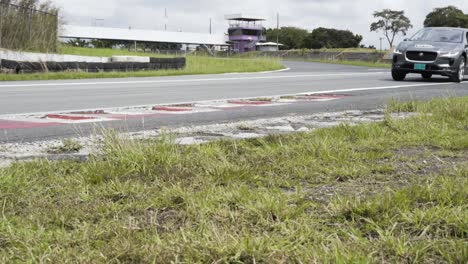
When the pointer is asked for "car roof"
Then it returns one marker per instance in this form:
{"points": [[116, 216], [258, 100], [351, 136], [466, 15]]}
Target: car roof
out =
{"points": [[465, 29]]}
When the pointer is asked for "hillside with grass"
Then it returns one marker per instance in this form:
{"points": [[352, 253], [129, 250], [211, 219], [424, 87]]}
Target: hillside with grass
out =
{"points": [[390, 192]]}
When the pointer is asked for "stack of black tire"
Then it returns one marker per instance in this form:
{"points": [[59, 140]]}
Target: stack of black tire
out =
{"points": [[167, 63], [35, 67]]}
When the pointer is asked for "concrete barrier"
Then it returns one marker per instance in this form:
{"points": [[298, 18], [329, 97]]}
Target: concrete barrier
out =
{"points": [[130, 59], [13, 66], [41, 57]]}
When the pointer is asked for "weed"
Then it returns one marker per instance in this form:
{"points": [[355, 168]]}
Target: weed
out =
{"points": [[244, 127], [67, 146], [261, 99]]}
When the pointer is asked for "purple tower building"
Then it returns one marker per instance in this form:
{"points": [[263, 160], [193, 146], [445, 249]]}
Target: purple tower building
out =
{"points": [[245, 32]]}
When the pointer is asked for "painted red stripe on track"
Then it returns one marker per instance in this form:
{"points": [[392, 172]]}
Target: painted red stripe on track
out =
{"points": [[136, 116], [96, 112], [7, 124], [68, 117]]}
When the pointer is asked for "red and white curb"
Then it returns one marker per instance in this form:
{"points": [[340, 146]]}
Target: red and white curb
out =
{"points": [[35, 120]]}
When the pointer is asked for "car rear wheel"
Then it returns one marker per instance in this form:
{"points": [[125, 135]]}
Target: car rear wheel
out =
{"points": [[459, 75], [398, 75], [426, 76]]}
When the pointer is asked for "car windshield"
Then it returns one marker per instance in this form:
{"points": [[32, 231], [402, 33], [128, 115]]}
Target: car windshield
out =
{"points": [[439, 35]]}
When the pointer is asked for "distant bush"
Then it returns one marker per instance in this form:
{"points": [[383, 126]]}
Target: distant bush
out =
{"points": [[319, 38], [449, 16], [28, 25]]}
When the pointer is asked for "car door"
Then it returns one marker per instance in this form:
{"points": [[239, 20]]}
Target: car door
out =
{"points": [[466, 47]]}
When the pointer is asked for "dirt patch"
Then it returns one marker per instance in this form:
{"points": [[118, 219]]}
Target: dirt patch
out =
{"points": [[424, 161], [409, 164], [163, 220]]}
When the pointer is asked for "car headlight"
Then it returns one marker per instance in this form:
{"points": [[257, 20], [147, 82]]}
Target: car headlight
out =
{"points": [[449, 54], [397, 51]]}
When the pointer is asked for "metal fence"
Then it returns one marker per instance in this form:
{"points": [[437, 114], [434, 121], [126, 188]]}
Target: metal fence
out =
{"points": [[25, 28]]}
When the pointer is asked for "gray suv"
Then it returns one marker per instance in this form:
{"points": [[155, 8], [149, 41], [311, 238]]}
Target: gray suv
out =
{"points": [[439, 51]]}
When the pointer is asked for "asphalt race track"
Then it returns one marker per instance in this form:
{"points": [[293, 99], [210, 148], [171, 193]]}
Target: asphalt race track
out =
{"points": [[363, 88]]}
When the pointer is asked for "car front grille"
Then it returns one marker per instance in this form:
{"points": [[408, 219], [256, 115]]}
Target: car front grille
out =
{"points": [[421, 55]]}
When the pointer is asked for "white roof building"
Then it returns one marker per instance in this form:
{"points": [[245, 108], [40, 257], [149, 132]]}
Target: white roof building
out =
{"points": [[268, 46], [69, 31], [243, 17]]}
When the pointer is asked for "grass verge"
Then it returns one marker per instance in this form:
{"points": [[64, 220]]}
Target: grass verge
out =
{"points": [[100, 52], [195, 65], [385, 192], [352, 63]]}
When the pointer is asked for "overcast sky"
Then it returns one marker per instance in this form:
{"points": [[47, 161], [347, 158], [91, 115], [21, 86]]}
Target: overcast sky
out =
{"points": [[193, 16]]}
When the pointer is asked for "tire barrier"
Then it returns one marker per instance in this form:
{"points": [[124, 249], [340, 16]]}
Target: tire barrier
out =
{"points": [[154, 64]]}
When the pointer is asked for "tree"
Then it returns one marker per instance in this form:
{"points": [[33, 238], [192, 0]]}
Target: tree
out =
{"points": [[332, 38], [158, 46], [296, 38], [290, 37], [78, 43], [362, 46], [449, 16], [103, 43], [391, 23]]}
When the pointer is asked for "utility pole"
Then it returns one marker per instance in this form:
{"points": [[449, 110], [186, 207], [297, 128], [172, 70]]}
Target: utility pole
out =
{"points": [[165, 19], [381, 38], [99, 22], [277, 30], [96, 22], [1, 23], [210, 25]]}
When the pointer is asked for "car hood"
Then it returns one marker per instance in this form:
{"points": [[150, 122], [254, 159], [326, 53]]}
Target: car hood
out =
{"points": [[430, 46]]}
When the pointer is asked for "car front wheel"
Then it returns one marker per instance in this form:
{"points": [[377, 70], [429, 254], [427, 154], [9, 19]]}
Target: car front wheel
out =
{"points": [[459, 75], [398, 75]]}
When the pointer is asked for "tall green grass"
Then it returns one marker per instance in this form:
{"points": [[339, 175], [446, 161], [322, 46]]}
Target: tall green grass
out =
{"points": [[28, 25], [391, 192], [101, 52]]}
